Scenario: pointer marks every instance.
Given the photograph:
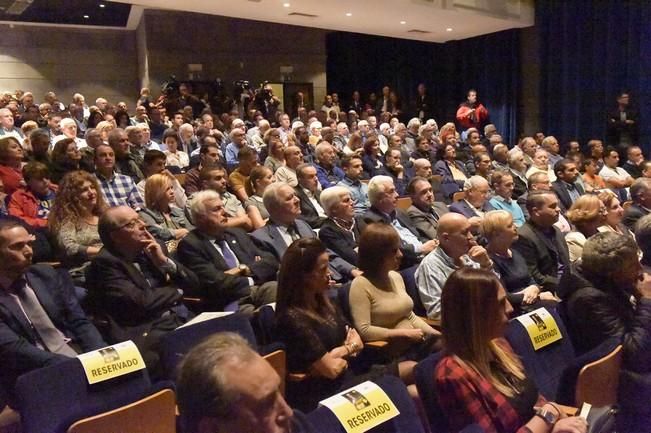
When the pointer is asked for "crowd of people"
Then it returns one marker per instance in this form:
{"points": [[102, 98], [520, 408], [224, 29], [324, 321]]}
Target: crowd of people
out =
{"points": [[252, 206]]}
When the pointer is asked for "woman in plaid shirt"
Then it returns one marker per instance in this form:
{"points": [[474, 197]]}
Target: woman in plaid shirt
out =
{"points": [[480, 380]]}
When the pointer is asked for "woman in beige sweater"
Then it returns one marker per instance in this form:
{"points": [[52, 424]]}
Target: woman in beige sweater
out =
{"points": [[380, 306]]}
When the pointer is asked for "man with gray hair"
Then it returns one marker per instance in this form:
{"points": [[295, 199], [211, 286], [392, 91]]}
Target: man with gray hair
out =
{"points": [[383, 198], [7, 127], [327, 172], [550, 144], [641, 196], [475, 204], [412, 134], [518, 169], [229, 266], [224, 386], [341, 136], [237, 142]]}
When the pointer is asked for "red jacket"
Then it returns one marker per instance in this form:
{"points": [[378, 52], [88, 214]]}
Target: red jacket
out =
{"points": [[11, 178], [472, 120], [24, 205]]}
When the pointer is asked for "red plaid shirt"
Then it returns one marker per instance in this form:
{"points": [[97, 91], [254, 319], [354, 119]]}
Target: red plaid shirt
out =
{"points": [[468, 398]]}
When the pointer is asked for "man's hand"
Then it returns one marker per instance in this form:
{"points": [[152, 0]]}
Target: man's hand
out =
{"points": [[480, 255], [429, 246], [154, 251], [530, 294]]}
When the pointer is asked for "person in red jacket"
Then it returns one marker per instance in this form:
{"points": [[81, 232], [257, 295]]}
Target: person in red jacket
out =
{"points": [[472, 113], [32, 203]]}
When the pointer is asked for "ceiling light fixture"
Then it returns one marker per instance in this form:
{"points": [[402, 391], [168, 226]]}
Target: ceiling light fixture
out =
{"points": [[286, 5], [102, 5], [449, 29], [86, 17], [348, 14], [403, 22]]}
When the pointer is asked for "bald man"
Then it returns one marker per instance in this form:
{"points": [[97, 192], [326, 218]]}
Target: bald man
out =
{"points": [[457, 248]]}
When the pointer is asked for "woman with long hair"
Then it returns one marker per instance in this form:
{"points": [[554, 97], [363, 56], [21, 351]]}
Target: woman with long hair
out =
{"points": [[73, 220], [275, 149], [11, 164], [164, 221], [65, 158], [260, 178], [480, 380], [371, 158], [379, 304]]}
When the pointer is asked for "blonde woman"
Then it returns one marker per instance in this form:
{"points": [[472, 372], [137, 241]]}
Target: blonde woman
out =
{"points": [[166, 223], [587, 214]]}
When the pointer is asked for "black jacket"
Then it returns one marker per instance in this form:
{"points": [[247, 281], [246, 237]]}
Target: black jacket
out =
{"points": [[309, 213], [632, 215], [197, 252], [340, 241], [596, 312], [560, 188]]}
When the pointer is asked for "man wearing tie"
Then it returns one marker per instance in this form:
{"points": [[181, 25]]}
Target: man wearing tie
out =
{"points": [[41, 322], [229, 266]]}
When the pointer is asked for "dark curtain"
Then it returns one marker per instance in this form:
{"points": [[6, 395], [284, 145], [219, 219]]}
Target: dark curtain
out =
{"points": [[490, 64], [589, 52]]}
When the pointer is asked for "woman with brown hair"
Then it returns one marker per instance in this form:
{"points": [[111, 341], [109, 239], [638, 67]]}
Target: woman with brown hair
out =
{"points": [[65, 158], [614, 214], [260, 178], [276, 149], [371, 161], [587, 214], [380, 307], [480, 380], [11, 164], [165, 222], [73, 220]]}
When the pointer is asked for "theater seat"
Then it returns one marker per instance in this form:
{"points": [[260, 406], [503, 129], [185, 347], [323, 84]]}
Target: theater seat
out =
{"points": [[52, 398], [424, 375], [546, 365], [324, 421]]}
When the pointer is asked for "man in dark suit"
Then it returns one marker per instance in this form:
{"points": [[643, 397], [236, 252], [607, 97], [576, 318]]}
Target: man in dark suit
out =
{"points": [[383, 197], [541, 243], [641, 196], [225, 260], [308, 192], [475, 204], [634, 162], [285, 226], [41, 322], [565, 185], [424, 212], [135, 285]]}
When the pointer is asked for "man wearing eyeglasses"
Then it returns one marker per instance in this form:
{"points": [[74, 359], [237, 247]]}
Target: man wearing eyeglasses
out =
{"points": [[135, 285]]}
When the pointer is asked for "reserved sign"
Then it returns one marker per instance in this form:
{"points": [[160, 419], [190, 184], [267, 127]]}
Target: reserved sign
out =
{"points": [[541, 327], [361, 407], [112, 361]]}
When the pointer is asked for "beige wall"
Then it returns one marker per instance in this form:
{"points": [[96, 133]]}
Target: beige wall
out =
{"points": [[92, 62]]}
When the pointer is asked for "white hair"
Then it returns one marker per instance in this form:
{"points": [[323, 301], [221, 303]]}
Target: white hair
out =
{"points": [[270, 197], [413, 122], [377, 186], [362, 123], [514, 154], [66, 121], [316, 124], [199, 200], [331, 197], [297, 124], [474, 182], [264, 122]]}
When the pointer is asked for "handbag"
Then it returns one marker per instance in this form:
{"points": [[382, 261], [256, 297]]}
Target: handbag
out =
{"points": [[602, 419]]}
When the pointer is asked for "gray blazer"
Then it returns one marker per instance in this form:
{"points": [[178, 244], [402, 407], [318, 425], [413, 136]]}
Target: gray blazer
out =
{"points": [[425, 222]]}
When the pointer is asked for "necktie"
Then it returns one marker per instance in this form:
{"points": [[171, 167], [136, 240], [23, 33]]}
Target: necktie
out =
{"points": [[51, 337], [229, 257], [293, 233]]}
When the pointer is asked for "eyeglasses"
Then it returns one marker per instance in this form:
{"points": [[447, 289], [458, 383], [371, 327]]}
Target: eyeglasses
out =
{"points": [[130, 225]]}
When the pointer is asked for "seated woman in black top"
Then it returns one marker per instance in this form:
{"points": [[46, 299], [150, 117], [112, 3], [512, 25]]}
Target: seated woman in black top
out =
{"points": [[339, 232], [522, 292]]}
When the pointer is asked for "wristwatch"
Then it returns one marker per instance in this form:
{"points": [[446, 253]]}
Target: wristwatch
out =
{"points": [[548, 416]]}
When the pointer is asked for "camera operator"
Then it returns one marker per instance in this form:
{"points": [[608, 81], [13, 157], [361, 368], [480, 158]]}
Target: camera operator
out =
{"points": [[266, 102], [186, 98]]}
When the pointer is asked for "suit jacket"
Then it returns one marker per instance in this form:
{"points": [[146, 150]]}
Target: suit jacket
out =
{"points": [[560, 189], [634, 170], [269, 239], [339, 240], [410, 256], [466, 210], [425, 222], [197, 252], [542, 254], [18, 349], [308, 211], [134, 305], [632, 215]]}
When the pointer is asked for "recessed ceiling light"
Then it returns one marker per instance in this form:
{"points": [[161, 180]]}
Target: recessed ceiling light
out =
{"points": [[449, 29], [86, 16], [286, 5], [102, 5], [403, 22], [348, 14]]}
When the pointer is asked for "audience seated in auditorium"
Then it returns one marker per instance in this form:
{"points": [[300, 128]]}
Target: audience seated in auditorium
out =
{"points": [[502, 183], [453, 171], [340, 231], [135, 285], [424, 212], [522, 291], [550, 144], [239, 178], [480, 380], [395, 169], [352, 166], [209, 154], [308, 192], [500, 155], [40, 146], [276, 151], [566, 186], [371, 161], [11, 164], [634, 162], [528, 146], [228, 265], [154, 163], [126, 163], [541, 243], [587, 214], [166, 222], [176, 159], [33, 202], [383, 198], [457, 248], [541, 165], [223, 386], [641, 205], [380, 307], [260, 178], [616, 178], [118, 189], [41, 322], [614, 214]]}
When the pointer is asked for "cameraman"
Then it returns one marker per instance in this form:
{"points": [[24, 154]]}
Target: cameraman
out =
{"points": [[266, 102]]}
